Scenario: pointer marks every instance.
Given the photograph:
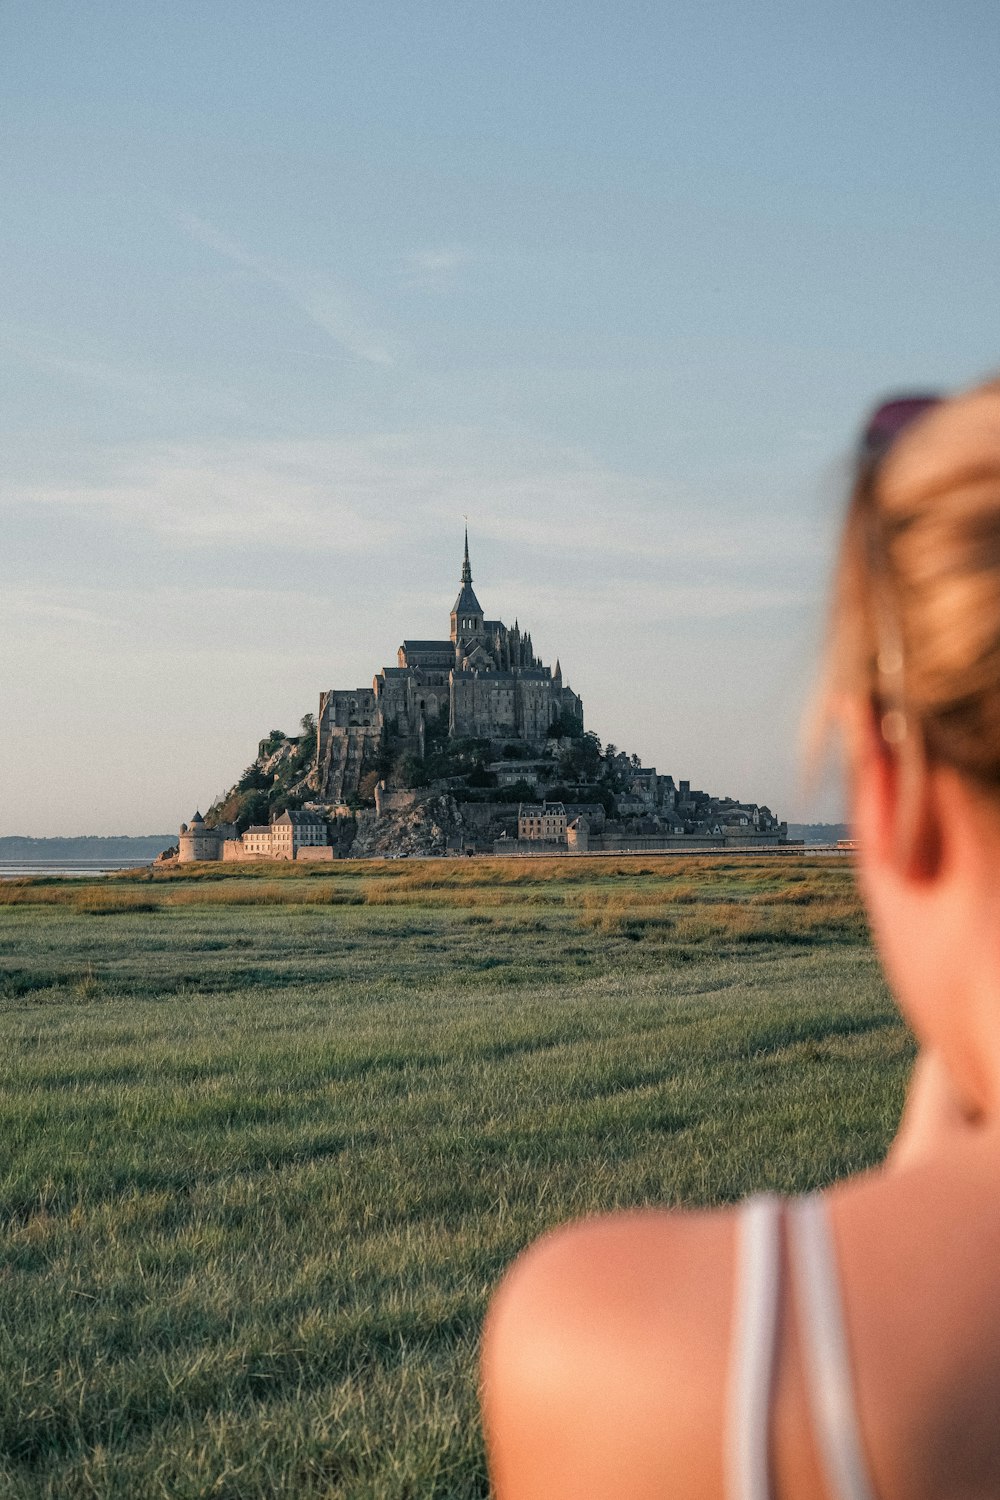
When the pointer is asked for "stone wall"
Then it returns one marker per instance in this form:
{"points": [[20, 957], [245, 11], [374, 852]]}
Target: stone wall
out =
{"points": [[484, 706], [344, 755], [527, 848]]}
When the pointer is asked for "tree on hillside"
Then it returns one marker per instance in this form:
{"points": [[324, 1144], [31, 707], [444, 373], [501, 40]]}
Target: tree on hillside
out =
{"points": [[565, 726], [275, 739], [582, 761]]}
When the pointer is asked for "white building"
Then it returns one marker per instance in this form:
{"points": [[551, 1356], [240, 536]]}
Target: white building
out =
{"points": [[257, 841], [293, 831], [542, 822]]}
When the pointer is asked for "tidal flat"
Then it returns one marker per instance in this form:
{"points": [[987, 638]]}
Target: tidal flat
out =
{"points": [[269, 1138]]}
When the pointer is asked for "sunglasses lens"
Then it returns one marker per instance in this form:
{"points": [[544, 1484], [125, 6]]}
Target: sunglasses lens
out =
{"points": [[892, 418]]}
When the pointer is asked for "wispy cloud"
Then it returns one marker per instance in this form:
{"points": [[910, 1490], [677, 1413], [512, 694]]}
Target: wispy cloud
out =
{"points": [[282, 496], [31, 605], [169, 620], [651, 603], [320, 299], [655, 602], [391, 493], [131, 383], [433, 266]]}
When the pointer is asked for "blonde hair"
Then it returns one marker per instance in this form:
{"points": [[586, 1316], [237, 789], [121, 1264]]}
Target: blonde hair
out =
{"points": [[915, 618]]}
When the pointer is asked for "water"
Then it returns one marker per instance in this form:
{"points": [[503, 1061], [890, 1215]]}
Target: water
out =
{"points": [[19, 869]]}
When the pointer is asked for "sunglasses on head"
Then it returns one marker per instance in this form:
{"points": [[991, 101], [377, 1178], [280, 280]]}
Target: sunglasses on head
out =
{"points": [[889, 420]]}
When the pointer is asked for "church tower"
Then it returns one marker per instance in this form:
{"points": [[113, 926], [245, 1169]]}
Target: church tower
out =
{"points": [[467, 612]]}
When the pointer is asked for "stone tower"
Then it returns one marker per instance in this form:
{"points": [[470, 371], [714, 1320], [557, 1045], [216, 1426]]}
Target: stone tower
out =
{"points": [[467, 612]]}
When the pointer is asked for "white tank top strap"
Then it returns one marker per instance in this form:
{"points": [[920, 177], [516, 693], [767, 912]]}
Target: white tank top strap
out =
{"points": [[825, 1352], [754, 1349]]}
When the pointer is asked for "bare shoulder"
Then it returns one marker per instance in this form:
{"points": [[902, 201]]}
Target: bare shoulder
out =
{"points": [[917, 1253], [606, 1346]]}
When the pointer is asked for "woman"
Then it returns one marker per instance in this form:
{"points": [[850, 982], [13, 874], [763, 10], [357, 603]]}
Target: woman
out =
{"points": [[845, 1346]]}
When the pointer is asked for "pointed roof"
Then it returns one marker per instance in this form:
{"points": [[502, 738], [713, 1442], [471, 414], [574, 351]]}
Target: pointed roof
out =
{"points": [[467, 603]]}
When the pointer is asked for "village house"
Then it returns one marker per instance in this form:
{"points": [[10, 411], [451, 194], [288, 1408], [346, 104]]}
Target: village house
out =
{"points": [[296, 831], [542, 822], [510, 772], [256, 842]]}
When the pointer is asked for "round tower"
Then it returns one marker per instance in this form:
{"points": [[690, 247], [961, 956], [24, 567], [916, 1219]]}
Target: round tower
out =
{"points": [[197, 841]]}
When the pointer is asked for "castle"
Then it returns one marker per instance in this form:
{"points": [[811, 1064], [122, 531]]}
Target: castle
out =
{"points": [[449, 744], [484, 682]]}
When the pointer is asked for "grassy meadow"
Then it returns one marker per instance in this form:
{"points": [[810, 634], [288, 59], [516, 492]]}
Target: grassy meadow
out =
{"points": [[269, 1137]]}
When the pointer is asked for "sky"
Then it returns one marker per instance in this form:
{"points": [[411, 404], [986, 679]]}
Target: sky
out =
{"points": [[288, 291]]}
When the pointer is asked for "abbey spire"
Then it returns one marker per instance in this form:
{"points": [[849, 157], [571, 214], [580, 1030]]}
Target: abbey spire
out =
{"points": [[467, 612]]}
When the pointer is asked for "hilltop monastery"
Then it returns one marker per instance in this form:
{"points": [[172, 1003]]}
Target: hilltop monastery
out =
{"points": [[483, 683], [485, 677]]}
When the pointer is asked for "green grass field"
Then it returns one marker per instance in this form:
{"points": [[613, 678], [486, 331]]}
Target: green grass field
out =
{"points": [[269, 1139]]}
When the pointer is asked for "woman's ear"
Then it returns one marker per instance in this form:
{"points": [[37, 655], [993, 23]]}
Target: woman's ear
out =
{"points": [[896, 808], [919, 823]]}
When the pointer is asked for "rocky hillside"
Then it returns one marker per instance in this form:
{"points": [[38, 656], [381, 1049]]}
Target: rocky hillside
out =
{"points": [[571, 767], [426, 824], [276, 780], [463, 794]]}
